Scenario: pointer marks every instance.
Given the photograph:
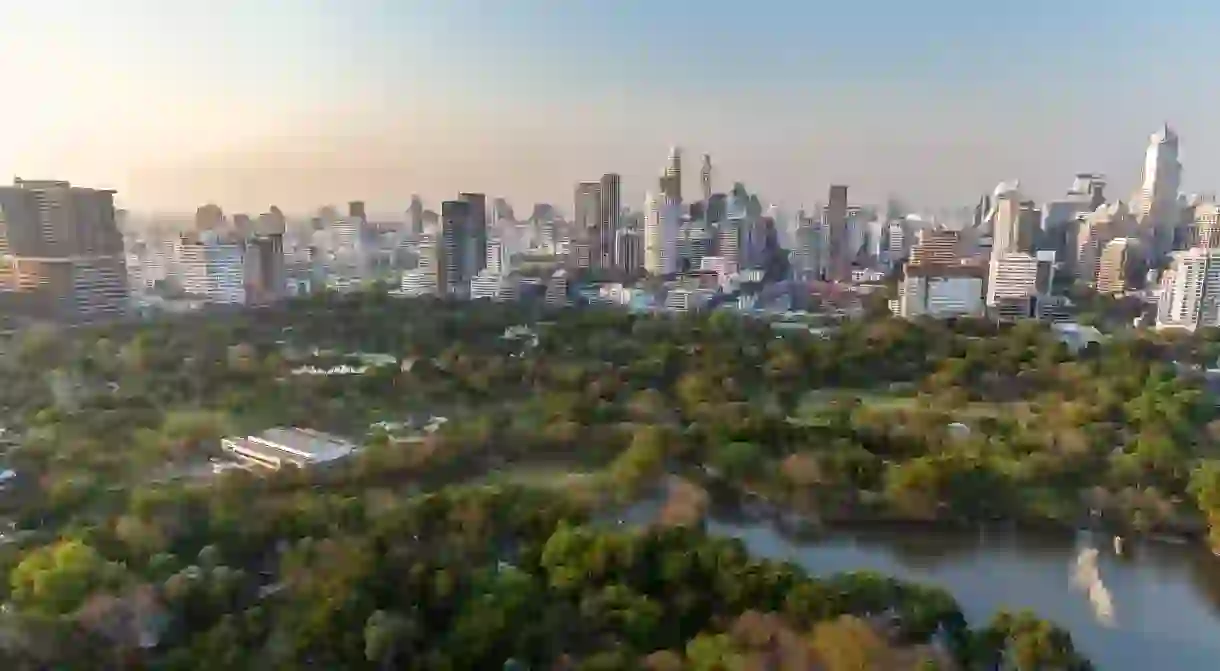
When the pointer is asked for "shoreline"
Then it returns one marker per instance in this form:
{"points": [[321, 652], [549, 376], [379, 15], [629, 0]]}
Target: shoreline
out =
{"points": [[731, 501]]}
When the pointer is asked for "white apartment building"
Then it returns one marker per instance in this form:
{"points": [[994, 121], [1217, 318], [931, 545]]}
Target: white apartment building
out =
{"points": [[661, 224], [494, 287], [1190, 291], [941, 293], [212, 267], [1011, 277], [687, 300], [419, 283]]}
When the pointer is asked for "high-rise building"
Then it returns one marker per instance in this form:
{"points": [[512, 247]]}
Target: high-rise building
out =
{"points": [[807, 250], [62, 252], [586, 206], [839, 251], [265, 272], [476, 255], [661, 222], [455, 248], [1207, 225], [1060, 217], [1120, 266], [1016, 282], [705, 177], [211, 266], [671, 181], [716, 209], [609, 221], [209, 218], [1094, 231], [1015, 223], [937, 247], [1190, 291], [1158, 210], [415, 215], [630, 251]]}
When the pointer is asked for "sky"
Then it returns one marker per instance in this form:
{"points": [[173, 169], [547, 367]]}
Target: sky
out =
{"points": [[300, 103]]}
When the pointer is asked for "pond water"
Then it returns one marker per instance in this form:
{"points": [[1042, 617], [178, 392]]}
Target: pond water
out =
{"points": [[1164, 598]]}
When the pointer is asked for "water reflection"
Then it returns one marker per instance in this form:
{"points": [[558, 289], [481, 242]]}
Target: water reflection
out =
{"points": [[1167, 594]]}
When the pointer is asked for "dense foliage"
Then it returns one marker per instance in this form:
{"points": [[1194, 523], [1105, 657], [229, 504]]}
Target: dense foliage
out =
{"points": [[123, 521]]}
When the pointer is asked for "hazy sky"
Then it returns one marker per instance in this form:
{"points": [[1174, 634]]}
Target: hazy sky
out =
{"points": [[304, 102]]}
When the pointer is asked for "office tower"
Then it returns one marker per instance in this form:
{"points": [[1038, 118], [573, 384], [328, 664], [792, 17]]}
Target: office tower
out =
{"points": [[1120, 266], [941, 291], [609, 221], [692, 245], [1060, 217], [497, 257], [501, 211], [1015, 223], [671, 181], [355, 210], [476, 255], [265, 273], [897, 242], [629, 251], [839, 252], [455, 248], [1190, 291], [211, 266], [1206, 217], [415, 216], [424, 280], [661, 222], [728, 241], [62, 252], [1095, 230], [1158, 210], [807, 251], [716, 209], [586, 206], [937, 247], [705, 177], [209, 218], [1012, 282]]}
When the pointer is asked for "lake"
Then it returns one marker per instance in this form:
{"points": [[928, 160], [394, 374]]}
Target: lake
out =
{"points": [[1166, 597]]}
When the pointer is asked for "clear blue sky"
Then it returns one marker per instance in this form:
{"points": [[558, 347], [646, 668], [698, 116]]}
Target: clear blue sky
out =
{"points": [[301, 102]]}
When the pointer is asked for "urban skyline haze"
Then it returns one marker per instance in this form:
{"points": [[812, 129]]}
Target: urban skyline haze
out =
{"points": [[302, 103]]}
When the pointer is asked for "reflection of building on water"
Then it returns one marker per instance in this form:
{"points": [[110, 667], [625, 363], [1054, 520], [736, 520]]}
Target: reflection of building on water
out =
{"points": [[1087, 577]]}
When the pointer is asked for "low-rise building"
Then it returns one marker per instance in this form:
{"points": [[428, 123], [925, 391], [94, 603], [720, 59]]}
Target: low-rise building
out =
{"points": [[279, 447]]}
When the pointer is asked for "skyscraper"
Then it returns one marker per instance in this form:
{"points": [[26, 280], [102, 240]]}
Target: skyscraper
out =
{"points": [[660, 235], [62, 251], [1158, 211], [840, 253], [415, 215], [455, 251], [609, 221], [476, 258], [266, 277], [586, 206], [671, 180], [1016, 222], [1121, 263], [705, 177]]}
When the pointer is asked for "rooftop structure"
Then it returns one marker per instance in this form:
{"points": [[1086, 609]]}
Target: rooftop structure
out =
{"points": [[275, 448]]}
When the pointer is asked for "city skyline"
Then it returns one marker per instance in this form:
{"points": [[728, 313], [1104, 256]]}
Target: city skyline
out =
{"points": [[250, 103]]}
